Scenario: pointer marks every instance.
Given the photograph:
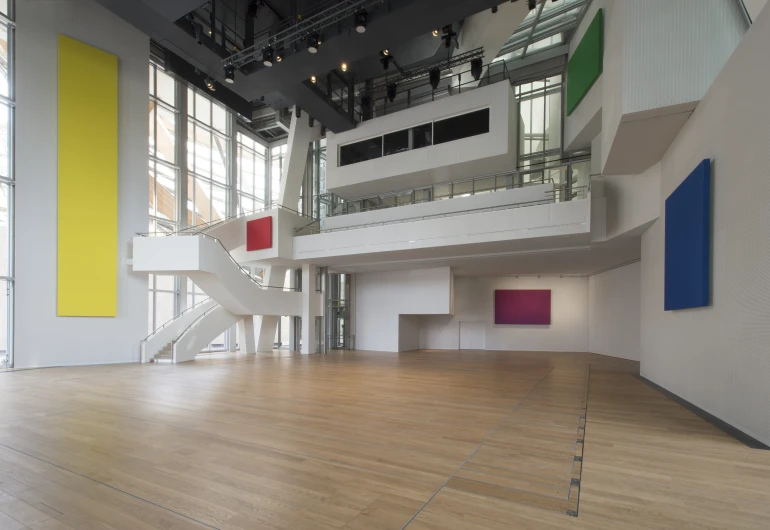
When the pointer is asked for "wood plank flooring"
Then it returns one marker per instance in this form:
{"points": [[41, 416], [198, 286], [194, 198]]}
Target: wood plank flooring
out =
{"points": [[364, 440]]}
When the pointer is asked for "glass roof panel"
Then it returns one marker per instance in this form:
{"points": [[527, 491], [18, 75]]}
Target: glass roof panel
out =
{"points": [[544, 27]]}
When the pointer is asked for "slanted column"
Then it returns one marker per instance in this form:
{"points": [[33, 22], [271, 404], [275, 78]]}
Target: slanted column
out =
{"points": [[298, 144], [246, 340], [309, 309], [273, 277]]}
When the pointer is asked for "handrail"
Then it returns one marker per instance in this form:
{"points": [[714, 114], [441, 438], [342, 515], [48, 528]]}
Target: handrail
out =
{"points": [[196, 229], [175, 317], [185, 330], [550, 200], [244, 271]]}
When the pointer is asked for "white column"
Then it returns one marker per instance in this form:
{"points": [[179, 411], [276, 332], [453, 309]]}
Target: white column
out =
{"points": [[300, 135], [293, 320], [268, 324], [246, 342], [309, 308]]}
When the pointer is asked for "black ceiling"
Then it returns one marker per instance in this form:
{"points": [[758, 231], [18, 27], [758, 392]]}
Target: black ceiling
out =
{"points": [[403, 26]]}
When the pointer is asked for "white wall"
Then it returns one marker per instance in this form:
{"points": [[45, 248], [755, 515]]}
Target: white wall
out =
{"points": [[483, 154], [474, 302], [718, 357], [42, 338], [380, 299], [633, 201], [614, 312]]}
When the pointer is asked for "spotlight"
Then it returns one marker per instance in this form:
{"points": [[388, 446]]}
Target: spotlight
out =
{"points": [[360, 22], [252, 9], [435, 33], [366, 108], [435, 77], [267, 57], [198, 30], [230, 74], [532, 4], [312, 79], [279, 55], [311, 121], [476, 67], [385, 52], [313, 43], [211, 84], [392, 92], [494, 9], [344, 67], [299, 112], [323, 130]]}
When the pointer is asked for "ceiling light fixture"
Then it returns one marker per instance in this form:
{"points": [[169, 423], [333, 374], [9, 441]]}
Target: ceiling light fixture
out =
{"points": [[360, 22], [312, 79], [267, 57], [313, 43], [252, 9], [344, 67], [211, 84], [435, 77], [476, 67], [230, 74], [435, 33], [385, 52], [392, 92], [279, 55]]}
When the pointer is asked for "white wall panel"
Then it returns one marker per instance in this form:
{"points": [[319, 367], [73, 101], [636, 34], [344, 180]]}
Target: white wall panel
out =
{"points": [[718, 357], [42, 338], [675, 50], [614, 312], [474, 302], [382, 298]]}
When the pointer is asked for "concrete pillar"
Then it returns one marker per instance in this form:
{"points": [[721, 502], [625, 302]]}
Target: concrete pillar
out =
{"points": [[300, 135], [309, 309], [268, 324], [246, 341]]}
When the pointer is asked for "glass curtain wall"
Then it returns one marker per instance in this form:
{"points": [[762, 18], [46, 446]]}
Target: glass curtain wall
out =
{"points": [[208, 159], [540, 131], [251, 174], [6, 182], [164, 179], [277, 158]]}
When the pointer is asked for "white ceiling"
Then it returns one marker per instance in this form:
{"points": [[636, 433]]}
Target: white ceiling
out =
{"points": [[575, 260]]}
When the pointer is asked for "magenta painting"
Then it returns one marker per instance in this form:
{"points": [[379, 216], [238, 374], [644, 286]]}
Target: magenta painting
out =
{"points": [[523, 306]]}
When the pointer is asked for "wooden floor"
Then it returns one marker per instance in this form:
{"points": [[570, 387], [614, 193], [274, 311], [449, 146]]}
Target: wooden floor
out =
{"points": [[421, 440]]}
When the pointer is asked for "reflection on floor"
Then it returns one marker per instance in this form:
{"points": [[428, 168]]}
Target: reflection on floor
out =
{"points": [[362, 440]]}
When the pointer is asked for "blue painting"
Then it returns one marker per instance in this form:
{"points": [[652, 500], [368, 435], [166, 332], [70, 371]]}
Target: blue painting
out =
{"points": [[688, 241]]}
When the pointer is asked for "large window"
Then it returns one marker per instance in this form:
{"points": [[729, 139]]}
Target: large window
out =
{"points": [[459, 127], [540, 128], [252, 175], [277, 157], [164, 187], [208, 159], [6, 182]]}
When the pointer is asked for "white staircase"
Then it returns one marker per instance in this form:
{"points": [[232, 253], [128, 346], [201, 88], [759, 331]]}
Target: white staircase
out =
{"points": [[160, 340]]}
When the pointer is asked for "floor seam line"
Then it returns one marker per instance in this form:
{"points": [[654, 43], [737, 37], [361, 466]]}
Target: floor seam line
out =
{"points": [[477, 448], [109, 486]]}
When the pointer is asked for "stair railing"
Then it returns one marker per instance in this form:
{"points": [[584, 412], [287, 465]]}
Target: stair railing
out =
{"points": [[185, 330]]}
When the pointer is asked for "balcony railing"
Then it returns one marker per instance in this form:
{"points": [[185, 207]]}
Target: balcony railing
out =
{"points": [[580, 192], [564, 175]]}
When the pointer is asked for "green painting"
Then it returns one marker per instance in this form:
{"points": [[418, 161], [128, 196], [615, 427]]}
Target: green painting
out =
{"points": [[585, 65]]}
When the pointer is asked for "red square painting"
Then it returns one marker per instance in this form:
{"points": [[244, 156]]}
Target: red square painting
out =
{"points": [[259, 234], [523, 306]]}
